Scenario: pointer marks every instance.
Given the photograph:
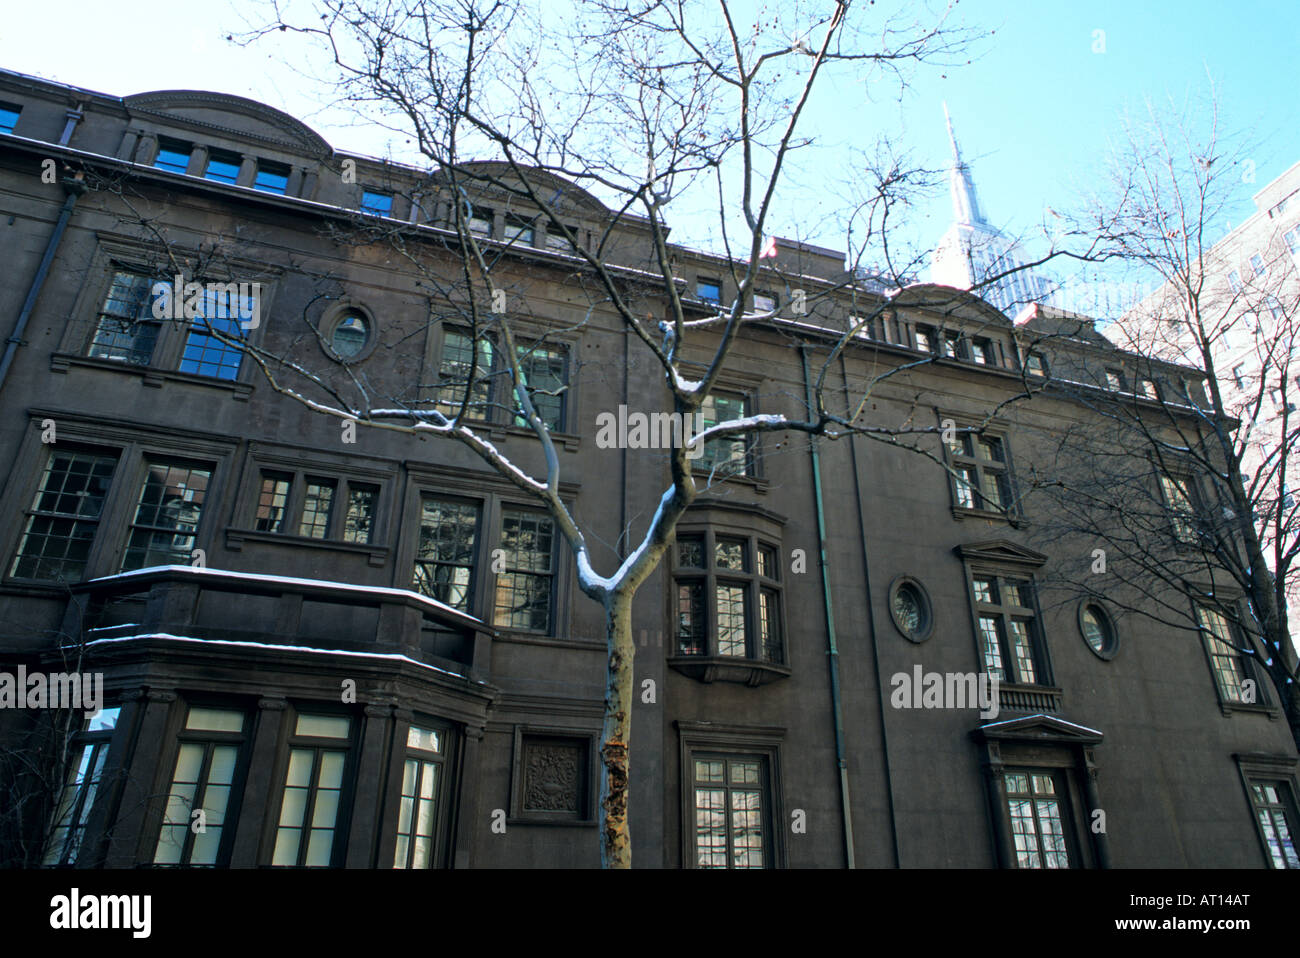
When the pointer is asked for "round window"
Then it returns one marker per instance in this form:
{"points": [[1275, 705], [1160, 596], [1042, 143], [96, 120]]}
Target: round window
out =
{"points": [[349, 336], [910, 608], [1098, 631]]}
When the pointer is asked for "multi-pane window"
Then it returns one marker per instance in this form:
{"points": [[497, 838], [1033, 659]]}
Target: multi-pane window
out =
{"points": [[319, 511], [1034, 365], [546, 375], [731, 811], [77, 798], [1225, 661], [1234, 281], [213, 346], [954, 345], [272, 502], [312, 800], [317, 505], [1178, 502], [64, 516], [1005, 618], [728, 597], [980, 473], [166, 522], [126, 329], [925, 339], [271, 177], [376, 203], [202, 794], [1037, 819], [708, 290], [421, 799], [555, 238], [223, 166], [982, 352], [764, 302], [444, 559], [479, 220], [9, 113], [173, 155], [726, 455], [461, 353], [1257, 264], [1275, 814], [1292, 237], [1114, 380], [1147, 388], [525, 588]]}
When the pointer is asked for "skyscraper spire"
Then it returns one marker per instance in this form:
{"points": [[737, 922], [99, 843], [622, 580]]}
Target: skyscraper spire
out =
{"points": [[965, 206]]}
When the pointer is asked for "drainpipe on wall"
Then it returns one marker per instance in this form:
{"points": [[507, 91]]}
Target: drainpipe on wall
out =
{"points": [[74, 188], [832, 651], [871, 623]]}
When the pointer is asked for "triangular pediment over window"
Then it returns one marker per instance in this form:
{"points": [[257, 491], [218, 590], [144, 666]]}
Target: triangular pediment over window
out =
{"points": [[1037, 728], [1001, 551]]}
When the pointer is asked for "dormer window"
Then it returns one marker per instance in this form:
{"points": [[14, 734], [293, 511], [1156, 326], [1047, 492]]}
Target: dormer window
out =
{"points": [[271, 177], [376, 203], [518, 229], [223, 166], [173, 155]]}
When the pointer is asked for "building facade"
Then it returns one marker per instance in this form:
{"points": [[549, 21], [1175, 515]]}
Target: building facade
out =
{"points": [[325, 644]]}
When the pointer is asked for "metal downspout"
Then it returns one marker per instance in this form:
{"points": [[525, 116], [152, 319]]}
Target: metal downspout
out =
{"points": [[832, 651], [74, 188]]}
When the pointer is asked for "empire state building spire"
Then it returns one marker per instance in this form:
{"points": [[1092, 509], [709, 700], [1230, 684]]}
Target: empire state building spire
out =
{"points": [[965, 206]]}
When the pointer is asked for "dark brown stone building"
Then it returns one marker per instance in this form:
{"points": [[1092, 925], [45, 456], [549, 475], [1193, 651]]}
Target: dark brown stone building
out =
{"points": [[364, 648]]}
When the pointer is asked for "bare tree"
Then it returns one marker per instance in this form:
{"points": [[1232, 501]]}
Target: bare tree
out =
{"points": [[1185, 485]]}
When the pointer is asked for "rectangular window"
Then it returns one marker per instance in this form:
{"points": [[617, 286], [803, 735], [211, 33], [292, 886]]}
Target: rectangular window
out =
{"points": [[173, 155], [271, 177], [460, 354], [214, 344], [1034, 365], [518, 229], [126, 330], [742, 605], [376, 203], [1275, 813], [77, 798], [1292, 237], [166, 521], [359, 521], [1148, 388], [203, 781], [444, 559], [313, 792], [64, 516], [9, 113], [731, 804], [1237, 378], [1114, 380], [954, 345], [546, 377], [925, 339], [982, 352], [727, 455], [1037, 820], [1008, 639], [708, 290], [421, 799], [980, 473], [273, 502], [223, 166], [1257, 264], [1178, 501], [524, 590], [764, 302], [318, 503], [555, 238], [1234, 281], [479, 220], [1225, 660]]}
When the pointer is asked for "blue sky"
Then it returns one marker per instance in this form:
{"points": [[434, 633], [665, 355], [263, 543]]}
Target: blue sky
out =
{"points": [[1033, 112]]}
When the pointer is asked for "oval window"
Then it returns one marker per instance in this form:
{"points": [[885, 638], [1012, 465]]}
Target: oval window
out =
{"points": [[910, 609], [349, 336], [1097, 630]]}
